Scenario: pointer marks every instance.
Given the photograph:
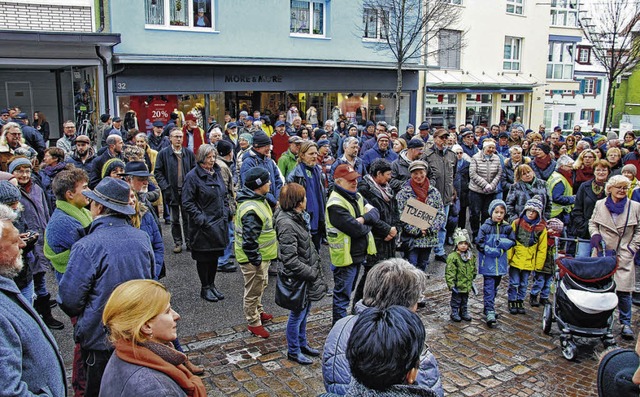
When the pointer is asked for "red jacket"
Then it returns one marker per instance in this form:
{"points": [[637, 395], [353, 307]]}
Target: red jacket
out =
{"points": [[280, 145], [198, 137]]}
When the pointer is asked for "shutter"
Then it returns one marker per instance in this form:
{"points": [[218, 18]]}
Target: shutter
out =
{"points": [[582, 84], [598, 86], [596, 116], [582, 115]]}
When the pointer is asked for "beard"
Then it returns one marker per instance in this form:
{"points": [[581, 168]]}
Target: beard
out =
{"points": [[12, 270]]}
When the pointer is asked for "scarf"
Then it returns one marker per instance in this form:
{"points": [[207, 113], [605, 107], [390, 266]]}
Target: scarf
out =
{"points": [[164, 359], [385, 191], [421, 191], [632, 187], [615, 208], [347, 193], [27, 186], [314, 192], [597, 188], [82, 215], [584, 173], [466, 255], [565, 173], [542, 163]]}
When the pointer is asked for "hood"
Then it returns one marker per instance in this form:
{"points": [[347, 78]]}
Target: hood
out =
{"points": [[245, 194], [91, 154]]}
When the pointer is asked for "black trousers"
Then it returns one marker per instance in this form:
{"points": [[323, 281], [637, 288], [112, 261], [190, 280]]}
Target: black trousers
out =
{"points": [[95, 362]]}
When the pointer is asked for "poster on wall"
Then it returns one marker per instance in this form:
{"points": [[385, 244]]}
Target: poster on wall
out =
{"points": [[151, 108]]}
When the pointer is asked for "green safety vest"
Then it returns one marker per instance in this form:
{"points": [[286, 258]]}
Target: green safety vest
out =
{"points": [[339, 242], [554, 179], [267, 241]]}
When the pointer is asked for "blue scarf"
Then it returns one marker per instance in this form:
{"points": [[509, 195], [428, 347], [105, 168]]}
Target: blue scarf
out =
{"points": [[615, 208], [314, 198], [346, 192]]}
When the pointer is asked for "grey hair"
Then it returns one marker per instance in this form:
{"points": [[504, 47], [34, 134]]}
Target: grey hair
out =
{"points": [[616, 180], [6, 215], [204, 151], [215, 129], [347, 141], [113, 139], [330, 122], [9, 126], [143, 135], [394, 282], [583, 143]]}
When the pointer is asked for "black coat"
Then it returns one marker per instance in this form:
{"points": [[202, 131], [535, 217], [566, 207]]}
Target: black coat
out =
{"points": [[96, 168], [299, 257], [582, 210], [389, 217], [166, 172], [461, 183], [204, 198]]}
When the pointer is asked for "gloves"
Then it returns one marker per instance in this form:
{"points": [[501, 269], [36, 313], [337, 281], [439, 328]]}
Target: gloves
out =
{"points": [[488, 188], [596, 241]]}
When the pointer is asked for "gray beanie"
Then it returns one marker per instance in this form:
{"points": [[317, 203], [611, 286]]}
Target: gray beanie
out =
{"points": [[8, 193]]}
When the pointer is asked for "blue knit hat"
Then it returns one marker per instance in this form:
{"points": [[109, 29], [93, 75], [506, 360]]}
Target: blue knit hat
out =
{"points": [[18, 162], [8, 193], [494, 204]]}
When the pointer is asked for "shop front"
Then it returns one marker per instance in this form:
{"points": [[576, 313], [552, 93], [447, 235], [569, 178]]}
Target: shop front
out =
{"points": [[153, 92]]}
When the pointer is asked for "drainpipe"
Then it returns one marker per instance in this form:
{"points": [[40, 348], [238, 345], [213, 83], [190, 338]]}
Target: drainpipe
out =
{"points": [[101, 11]]}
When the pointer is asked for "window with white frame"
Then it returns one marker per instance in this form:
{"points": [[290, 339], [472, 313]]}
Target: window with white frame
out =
{"points": [[515, 7], [197, 14], [511, 53], [376, 24], [560, 61], [307, 17], [449, 48], [564, 12], [584, 55], [589, 87]]}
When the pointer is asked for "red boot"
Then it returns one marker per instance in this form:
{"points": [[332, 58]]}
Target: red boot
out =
{"points": [[259, 331]]}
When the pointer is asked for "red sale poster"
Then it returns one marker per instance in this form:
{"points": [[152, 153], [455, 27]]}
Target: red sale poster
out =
{"points": [[158, 108]]}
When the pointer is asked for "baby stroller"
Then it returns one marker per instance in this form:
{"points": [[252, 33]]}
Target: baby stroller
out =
{"points": [[584, 300]]}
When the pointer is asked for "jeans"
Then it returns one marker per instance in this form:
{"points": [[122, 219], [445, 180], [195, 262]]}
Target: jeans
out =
{"points": [[479, 210], [177, 227], [344, 280], [360, 288], [28, 292], [419, 257], [459, 302], [489, 291], [442, 233], [541, 284], [226, 255], [584, 250], [297, 330], [58, 275], [624, 307], [518, 283], [40, 284], [95, 362]]}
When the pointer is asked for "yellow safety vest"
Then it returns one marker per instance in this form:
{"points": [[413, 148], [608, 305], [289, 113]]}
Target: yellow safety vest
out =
{"points": [[339, 242], [267, 241], [554, 179]]}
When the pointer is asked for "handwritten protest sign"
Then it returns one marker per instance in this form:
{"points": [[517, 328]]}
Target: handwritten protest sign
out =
{"points": [[418, 214]]}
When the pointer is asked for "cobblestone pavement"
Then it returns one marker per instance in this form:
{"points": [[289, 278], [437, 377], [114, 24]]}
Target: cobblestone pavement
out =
{"points": [[513, 359]]}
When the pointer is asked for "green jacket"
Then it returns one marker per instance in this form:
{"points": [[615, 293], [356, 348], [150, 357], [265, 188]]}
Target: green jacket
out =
{"points": [[287, 162], [460, 274]]}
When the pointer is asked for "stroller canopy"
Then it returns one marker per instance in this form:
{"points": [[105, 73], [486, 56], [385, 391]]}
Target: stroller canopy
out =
{"points": [[589, 269]]}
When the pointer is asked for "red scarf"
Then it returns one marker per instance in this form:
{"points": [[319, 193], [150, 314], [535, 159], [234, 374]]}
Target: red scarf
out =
{"points": [[542, 163], [421, 191], [140, 355], [567, 174], [584, 174]]}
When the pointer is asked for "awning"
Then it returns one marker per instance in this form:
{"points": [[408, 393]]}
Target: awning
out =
{"points": [[450, 81]]}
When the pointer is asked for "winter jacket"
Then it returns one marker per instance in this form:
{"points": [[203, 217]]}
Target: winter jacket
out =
{"points": [[521, 192], [530, 250], [46, 176], [334, 142], [543, 174], [299, 257], [30, 363], [461, 182], [198, 136], [388, 218], [36, 217], [123, 379], [204, 198], [33, 138], [485, 171], [86, 165], [166, 172], [251, 226], [493, 242], [357, 389], [434, 200], [280, 144], [582, 211], [375, 153], [400, 171], [62, 231], [149, 225], [358, 166], [318, 197], [508, 172], [95, 176], [287, 162], [460, 273], [226, 170], [157, 143], [335, 366], [442, 171], [602, 223], [112, 252], [253, 159]]}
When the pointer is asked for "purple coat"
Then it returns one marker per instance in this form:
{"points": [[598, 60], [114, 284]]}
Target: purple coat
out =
{"points": [[36, 217]]}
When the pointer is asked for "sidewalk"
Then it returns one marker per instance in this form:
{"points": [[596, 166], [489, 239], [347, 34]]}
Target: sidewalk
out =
{"points": [[514, 359]]}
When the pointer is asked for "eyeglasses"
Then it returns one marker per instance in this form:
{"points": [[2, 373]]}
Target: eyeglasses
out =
{"points": [[26, 171], [623, 188], [458, 153], [588, 157]]}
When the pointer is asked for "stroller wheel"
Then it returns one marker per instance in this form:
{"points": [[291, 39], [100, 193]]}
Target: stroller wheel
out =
{"points": [[547, 319], [569, 350], [608, 342]]}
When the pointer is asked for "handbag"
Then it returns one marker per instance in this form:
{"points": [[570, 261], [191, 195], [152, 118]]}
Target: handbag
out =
{"points": [[291, 293]]}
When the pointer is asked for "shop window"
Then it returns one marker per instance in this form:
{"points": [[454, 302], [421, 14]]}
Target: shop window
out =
{"points": [[449, 48], [560, 60], [440, 109], [478, 111], [565, 120], [515, 7], [376, 24], [307, 17], [187, 14], [564, 13], [512, 53], [512, 106]]}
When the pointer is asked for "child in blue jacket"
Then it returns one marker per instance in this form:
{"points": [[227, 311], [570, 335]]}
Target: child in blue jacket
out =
{"points": [[495, 238]]}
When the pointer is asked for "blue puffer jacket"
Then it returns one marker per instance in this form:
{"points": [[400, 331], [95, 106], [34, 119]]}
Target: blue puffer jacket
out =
{"points": [[335, 366], [493, 241], [252, 159], [149, 225], [113, 252]]}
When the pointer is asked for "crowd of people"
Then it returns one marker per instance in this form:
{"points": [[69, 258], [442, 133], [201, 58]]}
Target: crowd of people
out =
{"points": [[267, 194]]}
